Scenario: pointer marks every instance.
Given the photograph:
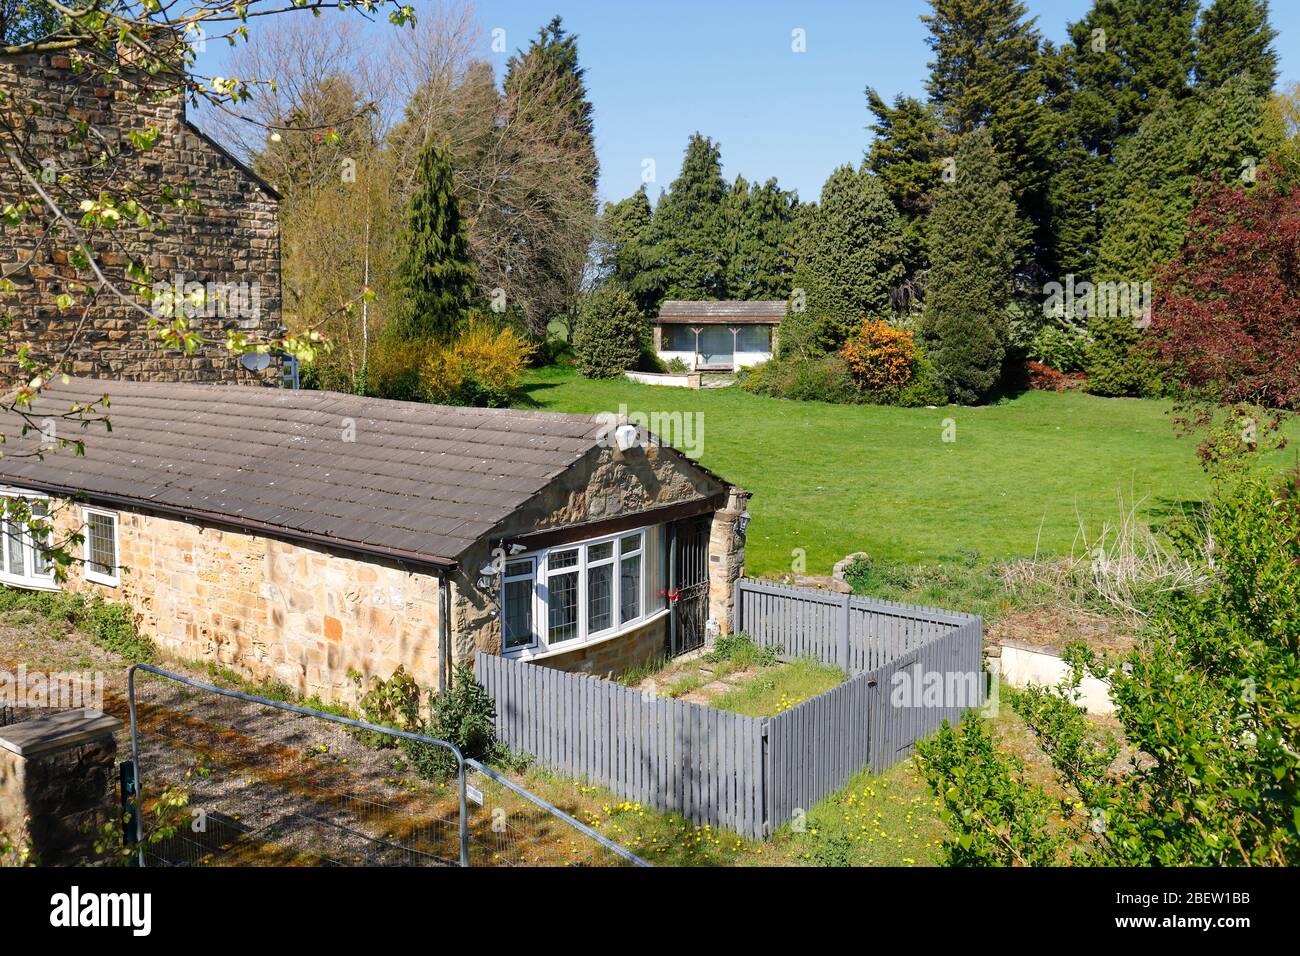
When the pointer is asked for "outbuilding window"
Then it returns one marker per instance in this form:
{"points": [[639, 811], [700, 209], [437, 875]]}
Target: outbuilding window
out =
{"points": [[100, 531], [574, 594]]}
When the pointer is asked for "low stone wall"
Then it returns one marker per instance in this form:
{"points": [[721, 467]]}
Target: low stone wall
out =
{"points": [[1023, 665], [616, 656], [676, 380]]}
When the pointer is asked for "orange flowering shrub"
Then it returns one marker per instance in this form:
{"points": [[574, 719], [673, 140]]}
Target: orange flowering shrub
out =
{"points": [[879, 356]]}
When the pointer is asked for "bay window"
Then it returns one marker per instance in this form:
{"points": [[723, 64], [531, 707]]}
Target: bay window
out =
{"points": [[573, 594]]}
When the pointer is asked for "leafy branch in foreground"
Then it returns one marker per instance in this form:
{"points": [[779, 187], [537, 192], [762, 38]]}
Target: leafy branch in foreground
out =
{"points": [[1207, 771]]}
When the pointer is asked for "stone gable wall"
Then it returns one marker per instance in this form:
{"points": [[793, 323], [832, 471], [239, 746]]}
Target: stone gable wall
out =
{"points": [[234, 240], [269, 609]]}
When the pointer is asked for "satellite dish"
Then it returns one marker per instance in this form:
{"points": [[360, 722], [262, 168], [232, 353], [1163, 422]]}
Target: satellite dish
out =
{"points": [[255, 361]]}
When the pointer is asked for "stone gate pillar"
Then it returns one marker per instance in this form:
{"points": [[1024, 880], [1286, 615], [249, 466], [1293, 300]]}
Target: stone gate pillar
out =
{"points": [[58, 784]]}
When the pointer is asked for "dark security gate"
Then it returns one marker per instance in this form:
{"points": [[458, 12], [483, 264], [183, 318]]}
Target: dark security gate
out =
{"points": [[689, 587]]}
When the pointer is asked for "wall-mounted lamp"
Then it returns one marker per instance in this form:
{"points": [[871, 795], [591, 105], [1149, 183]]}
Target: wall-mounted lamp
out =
{"points": [[742, 523], [487, 576]]}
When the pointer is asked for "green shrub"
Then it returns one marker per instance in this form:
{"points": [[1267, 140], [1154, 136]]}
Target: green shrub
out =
{"points": [[389, 703], [610, 335], [824, 379], [109, 625], [463, 715], [925, 386], [1121, 360], [677, 367], [1065, 350]]}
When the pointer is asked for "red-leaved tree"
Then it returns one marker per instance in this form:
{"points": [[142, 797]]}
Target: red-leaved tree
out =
{"points": [[1226, 315]]}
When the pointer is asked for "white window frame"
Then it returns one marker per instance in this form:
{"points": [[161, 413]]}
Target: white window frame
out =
{"points": [[29, 579], [509, 578], [87, 569], [541, 644]]}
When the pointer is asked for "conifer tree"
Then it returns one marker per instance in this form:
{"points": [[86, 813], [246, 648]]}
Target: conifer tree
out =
{"points": [[973, 254], [1235, 38], [688, 225], [629, 258], [906, 155], [758, 220], [436, 271], [986, 73], [850, 257]]}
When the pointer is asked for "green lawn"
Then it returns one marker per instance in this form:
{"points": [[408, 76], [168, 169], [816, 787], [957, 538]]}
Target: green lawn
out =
{"points": [[830, 479]]}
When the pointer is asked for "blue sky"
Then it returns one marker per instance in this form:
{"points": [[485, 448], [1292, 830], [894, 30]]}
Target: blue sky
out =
{"points": [[658, 72]]}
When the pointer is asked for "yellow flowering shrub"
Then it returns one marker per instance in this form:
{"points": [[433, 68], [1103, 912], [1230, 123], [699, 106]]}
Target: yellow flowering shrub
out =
{"points": [[879, 356]]}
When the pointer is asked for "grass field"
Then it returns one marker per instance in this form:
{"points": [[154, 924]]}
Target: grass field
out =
{"points": [[831, 479]]}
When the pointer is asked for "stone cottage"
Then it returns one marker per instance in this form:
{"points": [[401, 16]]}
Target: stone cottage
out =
{"points": [[306, 536], [225, 239]]}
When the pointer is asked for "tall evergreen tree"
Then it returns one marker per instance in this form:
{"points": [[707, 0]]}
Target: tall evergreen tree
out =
{"points": [[436, 272], [551, 90], [973, 254], [850, 260], [1124, 54], [1230, 135], [1234, 38], [985, 73], [758, 220], [688, 225], [906, 155], [629, 257]]}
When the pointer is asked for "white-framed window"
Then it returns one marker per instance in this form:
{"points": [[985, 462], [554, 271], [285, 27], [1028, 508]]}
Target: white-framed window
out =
{"points": [[573, 594], [517, 601], [101, 558], [22, 563]]}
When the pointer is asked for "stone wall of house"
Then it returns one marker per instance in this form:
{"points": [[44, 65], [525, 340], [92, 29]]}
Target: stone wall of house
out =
{"points": [[231, 239], [602, 485], [304, 616]]}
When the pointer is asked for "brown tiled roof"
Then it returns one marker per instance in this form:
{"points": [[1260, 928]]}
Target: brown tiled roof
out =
{"points": [[675, 310], [419, 481]]}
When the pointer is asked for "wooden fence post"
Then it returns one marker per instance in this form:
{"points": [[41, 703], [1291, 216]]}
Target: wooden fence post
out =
{"points": [[845, 616], [737, 596]]}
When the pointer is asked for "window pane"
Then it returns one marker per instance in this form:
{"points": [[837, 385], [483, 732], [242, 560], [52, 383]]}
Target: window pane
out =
{"points": [[599, 552], [754, 338], [562, 559], [40, 510], [14, 545], [562, 606], [518, 619], [99, 534], [630, 589], [630, 543], [516, 568], [600, 598]]}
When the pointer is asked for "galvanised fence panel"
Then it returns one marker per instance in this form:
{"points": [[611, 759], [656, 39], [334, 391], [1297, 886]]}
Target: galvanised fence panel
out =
{"points": [[911, 668]]}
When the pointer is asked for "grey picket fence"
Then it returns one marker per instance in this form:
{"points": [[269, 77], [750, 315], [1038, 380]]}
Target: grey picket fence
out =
{"points": [[751, 774]]}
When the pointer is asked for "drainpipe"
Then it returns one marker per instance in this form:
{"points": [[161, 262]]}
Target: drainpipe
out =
{"points": [[444, 631]]}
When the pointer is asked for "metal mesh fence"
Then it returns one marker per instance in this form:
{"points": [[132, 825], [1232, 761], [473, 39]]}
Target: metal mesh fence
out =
{"points": [[509, 826], [228, 779], [262, 785]]}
